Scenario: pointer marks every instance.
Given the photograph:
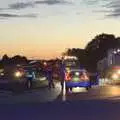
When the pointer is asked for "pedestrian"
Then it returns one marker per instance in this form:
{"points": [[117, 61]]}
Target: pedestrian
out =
{"points": [[50, 78], [30, 77], [62, 74]]}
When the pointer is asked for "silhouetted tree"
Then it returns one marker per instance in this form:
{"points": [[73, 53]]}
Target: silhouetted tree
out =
{"points": [[79, 53], [18, 60], [5, 59], [95, 50], [98, 47]]}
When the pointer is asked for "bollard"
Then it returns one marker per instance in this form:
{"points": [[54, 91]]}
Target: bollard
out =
{"points": [[64, 92]]}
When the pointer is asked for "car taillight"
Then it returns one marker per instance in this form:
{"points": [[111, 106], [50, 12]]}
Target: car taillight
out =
{"points": [[84, 77], [68, 76]]}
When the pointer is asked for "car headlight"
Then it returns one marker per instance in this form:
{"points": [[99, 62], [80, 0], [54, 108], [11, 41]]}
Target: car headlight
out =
{"points": [[115, 76], [18, 74], [77, 73], [1, 74], [118, 72]]}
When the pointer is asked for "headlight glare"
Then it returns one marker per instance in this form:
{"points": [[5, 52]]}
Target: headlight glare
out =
{"points": [[118, 72], [115, 76], [18, 74]]}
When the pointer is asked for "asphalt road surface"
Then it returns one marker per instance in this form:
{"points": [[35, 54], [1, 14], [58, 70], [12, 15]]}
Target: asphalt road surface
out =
{"points": [[96, 93], [98, 103], [43, 95], [38, 95]]}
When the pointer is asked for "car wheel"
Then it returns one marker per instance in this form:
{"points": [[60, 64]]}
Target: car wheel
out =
{"points": [[68, 89], [71, 89], [87, 88]]}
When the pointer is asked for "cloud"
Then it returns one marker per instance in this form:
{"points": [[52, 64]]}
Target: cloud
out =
{"points": [[110, 8], [51, 2], [91, 2], [21, 5], [7, 15], [113, 15], [114, 8], [1, 9]]}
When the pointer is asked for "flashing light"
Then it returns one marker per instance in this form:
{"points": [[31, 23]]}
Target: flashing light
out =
{"points": [[84, 77], [115, 76], [67, 76]]}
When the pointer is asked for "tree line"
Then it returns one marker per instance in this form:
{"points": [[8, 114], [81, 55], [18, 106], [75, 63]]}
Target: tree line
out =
{"points": [[13, 60], [95, 50]]}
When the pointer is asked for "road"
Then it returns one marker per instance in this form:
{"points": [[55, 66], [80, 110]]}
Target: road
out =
{"points": [[38, 95], [43, 95], [96, 93], [44, 104]]}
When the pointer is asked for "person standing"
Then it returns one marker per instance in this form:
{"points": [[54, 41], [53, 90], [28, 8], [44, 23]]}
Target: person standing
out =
{"points": [[62, 74], [50, 77]]}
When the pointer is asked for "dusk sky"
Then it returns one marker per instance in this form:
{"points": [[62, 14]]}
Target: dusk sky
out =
{"points": [[45, 28]]}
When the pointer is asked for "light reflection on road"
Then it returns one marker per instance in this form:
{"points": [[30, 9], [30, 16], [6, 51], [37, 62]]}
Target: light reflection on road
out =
{"points": [[45, 94], [111, 91], [105, 92]]}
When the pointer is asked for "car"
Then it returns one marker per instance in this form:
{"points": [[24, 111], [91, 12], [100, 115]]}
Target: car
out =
{"points": [[34, 77], [113, 75], [20, 78], [12, 77], [74, 74], [77, 78]]}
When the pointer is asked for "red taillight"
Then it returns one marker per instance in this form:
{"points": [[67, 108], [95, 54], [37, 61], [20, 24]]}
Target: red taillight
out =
{"points": [[84, 77], [68, 76]]}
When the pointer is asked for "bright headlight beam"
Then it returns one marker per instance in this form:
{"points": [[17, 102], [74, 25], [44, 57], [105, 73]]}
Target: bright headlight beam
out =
{"points": [[115, 76], [118, 71], [18, 74], [77, 73]]}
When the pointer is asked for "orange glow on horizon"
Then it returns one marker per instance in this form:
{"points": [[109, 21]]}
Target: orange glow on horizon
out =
{"points": [[49, 40]]}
